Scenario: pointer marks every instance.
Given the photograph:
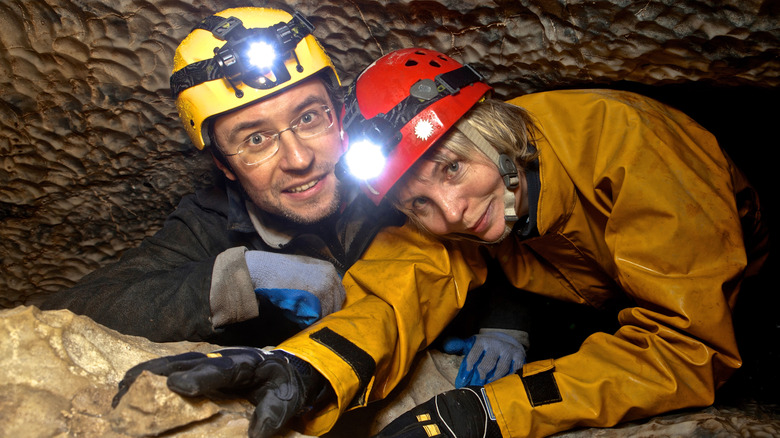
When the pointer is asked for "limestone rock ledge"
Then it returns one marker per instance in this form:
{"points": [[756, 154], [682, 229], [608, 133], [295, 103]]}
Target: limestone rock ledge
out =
{"points": [[60, 372]]}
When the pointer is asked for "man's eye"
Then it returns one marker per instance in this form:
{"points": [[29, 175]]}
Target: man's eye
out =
{"points": [[257, 139], [309, 118]]}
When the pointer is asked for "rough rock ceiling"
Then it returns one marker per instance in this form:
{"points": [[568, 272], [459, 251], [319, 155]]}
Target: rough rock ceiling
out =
{"points": [[93, 157]]}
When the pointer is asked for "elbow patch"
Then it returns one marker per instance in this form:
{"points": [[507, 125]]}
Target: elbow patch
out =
{"points": [[361, 362]]}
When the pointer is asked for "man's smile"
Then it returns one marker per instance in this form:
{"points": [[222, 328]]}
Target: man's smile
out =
{"points": [[303, 187]]}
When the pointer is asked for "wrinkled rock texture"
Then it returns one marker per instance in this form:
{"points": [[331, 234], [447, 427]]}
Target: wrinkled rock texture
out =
{"points": [[93, 159]]}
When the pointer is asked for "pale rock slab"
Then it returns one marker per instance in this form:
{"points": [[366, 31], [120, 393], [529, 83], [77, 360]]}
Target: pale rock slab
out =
{"points": [[60, 373]]}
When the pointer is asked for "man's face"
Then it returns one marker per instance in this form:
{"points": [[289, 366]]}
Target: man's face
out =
{"points": [[298, 182]]}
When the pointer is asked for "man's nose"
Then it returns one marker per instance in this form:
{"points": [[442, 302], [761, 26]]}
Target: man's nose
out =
{"points": [[296, 155]]}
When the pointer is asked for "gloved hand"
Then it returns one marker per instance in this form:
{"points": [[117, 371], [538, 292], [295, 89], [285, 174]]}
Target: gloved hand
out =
{"points": [[279, 384], [490, 355], [304, 288], [460, 413]]}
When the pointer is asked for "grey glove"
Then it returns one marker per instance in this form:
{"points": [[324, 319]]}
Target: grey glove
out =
{"points": [[490, 355], [304, 288]]}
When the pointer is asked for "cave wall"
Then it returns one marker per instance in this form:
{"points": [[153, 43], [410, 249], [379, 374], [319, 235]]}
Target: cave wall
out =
{"points": [[93, 157]]}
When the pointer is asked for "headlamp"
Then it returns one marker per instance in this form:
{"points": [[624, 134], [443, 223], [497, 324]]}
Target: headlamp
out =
{"points": [[365, 160], [372, 140], [254, 56], [261, 55]]}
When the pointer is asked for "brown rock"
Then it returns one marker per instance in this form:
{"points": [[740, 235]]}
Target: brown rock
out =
{"points": [[94, 157], [60, 372], [149, 408]]}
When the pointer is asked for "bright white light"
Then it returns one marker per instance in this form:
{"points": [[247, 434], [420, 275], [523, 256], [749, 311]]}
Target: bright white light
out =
{"points": [[365, 160], [261, 54]]}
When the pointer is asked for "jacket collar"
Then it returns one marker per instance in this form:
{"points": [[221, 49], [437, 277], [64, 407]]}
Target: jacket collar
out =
{"points": [[274, 232], [237, 215], [245, 217], [526, 226]]}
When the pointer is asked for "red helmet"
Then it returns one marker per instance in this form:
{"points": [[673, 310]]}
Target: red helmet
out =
{"points": [[407, 100]]}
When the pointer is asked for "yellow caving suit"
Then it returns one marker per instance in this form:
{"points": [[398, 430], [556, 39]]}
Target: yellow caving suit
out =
{"points": [[635, 199]]}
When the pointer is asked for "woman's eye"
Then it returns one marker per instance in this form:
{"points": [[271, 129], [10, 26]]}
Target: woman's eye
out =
{"points": [[453, 167], [419, 203]]}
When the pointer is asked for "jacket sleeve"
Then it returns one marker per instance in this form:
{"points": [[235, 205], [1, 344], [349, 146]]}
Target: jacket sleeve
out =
{"points": [[161, 289], [400, 295], [674, 246]]}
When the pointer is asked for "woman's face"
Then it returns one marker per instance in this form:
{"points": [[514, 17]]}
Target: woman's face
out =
{"points": [[453, 195]]}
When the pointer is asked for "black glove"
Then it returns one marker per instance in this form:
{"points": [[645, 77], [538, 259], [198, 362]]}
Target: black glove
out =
{"points": [[279, 384], [457, 413]]}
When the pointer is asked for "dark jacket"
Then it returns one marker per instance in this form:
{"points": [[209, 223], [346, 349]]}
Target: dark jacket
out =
{"points": [[189, 281]]}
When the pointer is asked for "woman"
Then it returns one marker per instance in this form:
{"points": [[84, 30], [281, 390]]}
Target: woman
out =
{"points": [[582, 196]]}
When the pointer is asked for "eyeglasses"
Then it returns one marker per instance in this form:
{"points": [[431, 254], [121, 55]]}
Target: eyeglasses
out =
{"points": [[261, 146]]}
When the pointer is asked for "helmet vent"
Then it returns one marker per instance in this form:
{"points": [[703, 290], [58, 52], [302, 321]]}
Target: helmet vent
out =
{"points": [[434, 64], [410, 63]]}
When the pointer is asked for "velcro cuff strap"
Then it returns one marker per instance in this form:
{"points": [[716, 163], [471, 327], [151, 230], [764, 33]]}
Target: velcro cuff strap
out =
{"points": [[361, 362], [541, 388]]}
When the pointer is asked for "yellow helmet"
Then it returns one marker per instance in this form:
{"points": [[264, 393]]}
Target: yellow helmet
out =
{"points": [[239, 56]]}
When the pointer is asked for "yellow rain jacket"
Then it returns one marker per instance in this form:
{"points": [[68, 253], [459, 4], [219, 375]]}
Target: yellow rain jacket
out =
{"points": [[637, 200]]}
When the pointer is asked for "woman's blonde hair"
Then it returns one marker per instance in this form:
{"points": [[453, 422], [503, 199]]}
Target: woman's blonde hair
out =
{"points": [[510, 129]]}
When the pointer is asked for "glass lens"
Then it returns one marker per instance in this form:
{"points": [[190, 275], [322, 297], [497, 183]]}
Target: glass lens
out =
{"points": [[313, 122], [259, 147], [264, 145]]}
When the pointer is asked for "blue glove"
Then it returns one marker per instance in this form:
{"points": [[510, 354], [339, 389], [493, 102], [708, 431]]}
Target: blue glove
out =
{"points": [[297, 305], [304, 288], [490, 355]]}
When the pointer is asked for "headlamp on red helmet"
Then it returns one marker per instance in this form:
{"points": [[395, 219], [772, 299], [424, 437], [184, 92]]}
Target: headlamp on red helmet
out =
{"points": [[370, 142], [375, 136]]}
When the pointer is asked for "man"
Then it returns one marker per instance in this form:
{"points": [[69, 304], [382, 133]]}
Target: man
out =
{"points": [[281, 224]]}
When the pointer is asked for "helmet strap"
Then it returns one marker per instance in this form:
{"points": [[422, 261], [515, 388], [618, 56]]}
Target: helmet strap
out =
{"points": [[506, 167], [422, 94], [227, 64]]}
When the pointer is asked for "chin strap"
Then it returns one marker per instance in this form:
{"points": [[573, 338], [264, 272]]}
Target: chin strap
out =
{"points": [[506, 168]]}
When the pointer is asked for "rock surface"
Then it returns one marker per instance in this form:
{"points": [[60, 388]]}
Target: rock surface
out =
{"points": [[60, 373], [93, 157]]}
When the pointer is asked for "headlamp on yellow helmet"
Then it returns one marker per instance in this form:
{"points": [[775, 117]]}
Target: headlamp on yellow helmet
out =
{"points": [[239, 56]]}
